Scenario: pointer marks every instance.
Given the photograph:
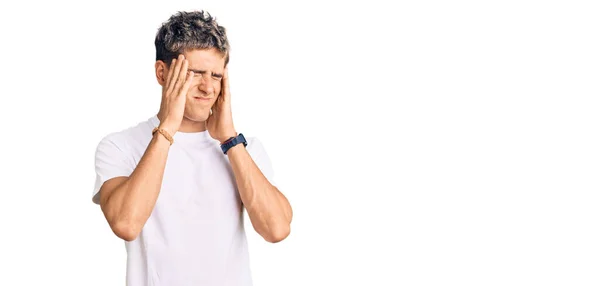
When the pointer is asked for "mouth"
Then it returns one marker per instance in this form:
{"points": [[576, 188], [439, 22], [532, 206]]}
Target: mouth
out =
{"points": [[201, 98]]}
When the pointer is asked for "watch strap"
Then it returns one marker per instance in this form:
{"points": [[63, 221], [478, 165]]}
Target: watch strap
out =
{"points": [[239, 139]]}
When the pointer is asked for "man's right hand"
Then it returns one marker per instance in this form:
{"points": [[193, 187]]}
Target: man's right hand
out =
{"points": [[174, 95]]}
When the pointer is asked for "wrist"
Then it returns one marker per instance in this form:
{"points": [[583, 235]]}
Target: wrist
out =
{"points": [[162, 133], [225, 139], [168, 128], [239, 139], [234, 149]]}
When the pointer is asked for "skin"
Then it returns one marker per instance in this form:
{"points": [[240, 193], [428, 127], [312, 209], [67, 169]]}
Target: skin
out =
{"points": [[127, 202]]}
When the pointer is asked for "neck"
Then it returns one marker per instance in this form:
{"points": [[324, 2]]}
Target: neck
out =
{"points": [[189, 126]]}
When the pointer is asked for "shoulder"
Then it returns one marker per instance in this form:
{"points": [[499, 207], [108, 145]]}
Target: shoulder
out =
{"points": [[252, 140], [256, 148], [254, 144], [125, 138]]}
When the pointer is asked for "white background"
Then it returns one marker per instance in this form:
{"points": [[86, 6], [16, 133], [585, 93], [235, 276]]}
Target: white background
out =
{"points": [[420, 143]]}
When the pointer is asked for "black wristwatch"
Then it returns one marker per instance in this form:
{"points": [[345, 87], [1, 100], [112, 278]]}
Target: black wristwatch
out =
{"points": [[232, 142]]}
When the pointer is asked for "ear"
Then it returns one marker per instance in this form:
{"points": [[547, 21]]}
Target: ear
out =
{"points": [[161, 72]]}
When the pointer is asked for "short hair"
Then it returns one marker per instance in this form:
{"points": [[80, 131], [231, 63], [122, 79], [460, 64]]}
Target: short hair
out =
{"points": [[187, 31]]}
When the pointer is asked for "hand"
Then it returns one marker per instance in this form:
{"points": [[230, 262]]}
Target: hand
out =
{"points": [[174, 95], [220, 123]]}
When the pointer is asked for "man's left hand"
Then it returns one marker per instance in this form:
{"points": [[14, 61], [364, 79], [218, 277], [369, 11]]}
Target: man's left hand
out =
{"points": [[220, 123]]}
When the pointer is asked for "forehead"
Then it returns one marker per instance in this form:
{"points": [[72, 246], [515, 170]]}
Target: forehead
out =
{"points": [[210, 59]]}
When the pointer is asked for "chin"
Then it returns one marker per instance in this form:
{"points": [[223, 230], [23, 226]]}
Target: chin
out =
{"points": [[198, 116]]}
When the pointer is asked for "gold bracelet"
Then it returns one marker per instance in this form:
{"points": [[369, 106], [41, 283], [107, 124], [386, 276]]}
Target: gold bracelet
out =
{"points": [[164, 133]]}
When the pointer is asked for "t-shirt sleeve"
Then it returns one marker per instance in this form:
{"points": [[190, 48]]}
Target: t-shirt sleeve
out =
{"points": [[261, 158], [110, 162]]}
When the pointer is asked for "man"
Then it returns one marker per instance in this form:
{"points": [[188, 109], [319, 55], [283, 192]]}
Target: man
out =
{"points": [[174, 186]]}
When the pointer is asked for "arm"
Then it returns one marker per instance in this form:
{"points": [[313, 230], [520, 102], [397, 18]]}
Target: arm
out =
{"points": [[268, 209], [127, 202]]}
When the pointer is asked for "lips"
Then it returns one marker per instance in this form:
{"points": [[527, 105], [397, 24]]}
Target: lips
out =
{"points": [[202, 98]]}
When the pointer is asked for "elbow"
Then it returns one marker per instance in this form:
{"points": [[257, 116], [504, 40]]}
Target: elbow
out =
{"points": [[278, 234], [126, 230]]}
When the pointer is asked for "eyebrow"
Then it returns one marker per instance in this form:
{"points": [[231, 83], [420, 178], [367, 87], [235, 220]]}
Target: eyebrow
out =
{"points": [[203, 72]]}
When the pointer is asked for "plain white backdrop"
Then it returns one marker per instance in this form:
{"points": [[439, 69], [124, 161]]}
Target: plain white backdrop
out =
{"points": [[419, 142]]}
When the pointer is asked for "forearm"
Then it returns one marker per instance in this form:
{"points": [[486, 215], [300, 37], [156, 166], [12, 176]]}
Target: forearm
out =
{"points": [[129, 206], [268, 209]]}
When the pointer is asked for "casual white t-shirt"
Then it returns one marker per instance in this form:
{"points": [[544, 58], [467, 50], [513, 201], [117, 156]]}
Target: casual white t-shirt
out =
{"points": [[195, 234]]}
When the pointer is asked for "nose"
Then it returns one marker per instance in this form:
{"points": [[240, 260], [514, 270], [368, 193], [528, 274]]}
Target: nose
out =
{"points": [[206, 85]]}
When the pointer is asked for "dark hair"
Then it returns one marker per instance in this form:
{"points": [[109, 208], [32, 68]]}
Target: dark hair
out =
{"points": [[189, 30]]}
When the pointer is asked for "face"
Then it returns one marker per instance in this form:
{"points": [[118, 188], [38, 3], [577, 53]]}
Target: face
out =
{"points": [[208, 67]]}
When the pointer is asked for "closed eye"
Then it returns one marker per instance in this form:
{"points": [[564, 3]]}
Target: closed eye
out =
{"points": [[201, 72]]}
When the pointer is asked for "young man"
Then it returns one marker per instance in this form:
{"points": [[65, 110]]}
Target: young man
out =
{"points": [[174, 186]]}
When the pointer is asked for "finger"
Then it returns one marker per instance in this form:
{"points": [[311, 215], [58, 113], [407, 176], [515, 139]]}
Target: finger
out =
{"points": [[172, 73], [225, 85], [182, 76], [169, 75], [188, 82], [175, 73]]}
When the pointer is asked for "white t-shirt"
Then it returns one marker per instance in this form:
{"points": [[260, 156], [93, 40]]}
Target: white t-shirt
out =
{"points": [[195, 234]]}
